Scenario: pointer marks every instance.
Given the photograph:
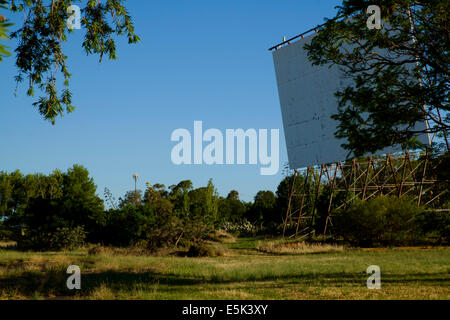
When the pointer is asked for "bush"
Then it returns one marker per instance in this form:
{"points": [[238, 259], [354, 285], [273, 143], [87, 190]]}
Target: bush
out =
{"points": [[436, 226], [205, 250], [6, 235], [68, 238], [221, 236], [61, 239], [95, 250], [381, 221]]}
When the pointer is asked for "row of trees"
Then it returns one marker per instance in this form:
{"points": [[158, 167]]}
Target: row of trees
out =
{"points": [[63, 210], [47, 207]]}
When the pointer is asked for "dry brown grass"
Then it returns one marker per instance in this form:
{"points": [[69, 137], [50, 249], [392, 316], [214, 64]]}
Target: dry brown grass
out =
{"points": [[99, 250], [222, 237], [7, 244], [103, 292], [287, 271], [276, 247], [207, 250]]}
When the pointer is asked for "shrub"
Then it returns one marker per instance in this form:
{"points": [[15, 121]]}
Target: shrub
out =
{"points": [[221, 236], [124, 225], [61, 239], [436, 225], [163, 233], [6, 235], [205, 250], [95, 250], [68, 238], [380, 221]]}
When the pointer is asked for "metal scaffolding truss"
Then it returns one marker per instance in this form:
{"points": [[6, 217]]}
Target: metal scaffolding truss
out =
{"points": [[402, 175]]}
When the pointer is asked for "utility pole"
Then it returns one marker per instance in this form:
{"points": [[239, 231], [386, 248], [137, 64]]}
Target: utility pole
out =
{"points": [[135, 177]]}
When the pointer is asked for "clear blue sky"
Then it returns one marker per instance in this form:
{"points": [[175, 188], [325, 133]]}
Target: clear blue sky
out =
{"points": [[198, 60]]}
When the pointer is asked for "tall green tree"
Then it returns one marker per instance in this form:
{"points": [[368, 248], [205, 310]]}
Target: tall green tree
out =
{"points": [[132, 198], [59, 200], [264, 208], [39, 54], [179, 195], [203, 211], [284, 191], [6, 194], [400, 71], [231, 208], [155, 192]]}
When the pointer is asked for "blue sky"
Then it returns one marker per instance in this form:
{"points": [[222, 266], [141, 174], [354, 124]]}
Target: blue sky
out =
{"points": [[198, 60]]}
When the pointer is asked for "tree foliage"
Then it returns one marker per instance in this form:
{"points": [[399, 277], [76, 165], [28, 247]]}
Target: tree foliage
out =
{"points": [[4, 33], [231, 208], [400, 72], [61, 210], [48, 207], [39, 54], [264, 207], [381, 221]]}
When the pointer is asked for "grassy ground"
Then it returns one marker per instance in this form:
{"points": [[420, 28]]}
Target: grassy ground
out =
{"points": [[246, 272]]}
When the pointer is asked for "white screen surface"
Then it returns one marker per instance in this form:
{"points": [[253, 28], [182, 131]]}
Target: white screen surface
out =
{"points": [[307, 99]]}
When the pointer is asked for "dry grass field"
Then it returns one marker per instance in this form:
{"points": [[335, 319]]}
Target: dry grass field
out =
{"points": [[249, 269]]}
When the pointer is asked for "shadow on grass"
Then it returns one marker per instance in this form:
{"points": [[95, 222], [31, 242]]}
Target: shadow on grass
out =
{"points": [[9, 247], [53, 282]]}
